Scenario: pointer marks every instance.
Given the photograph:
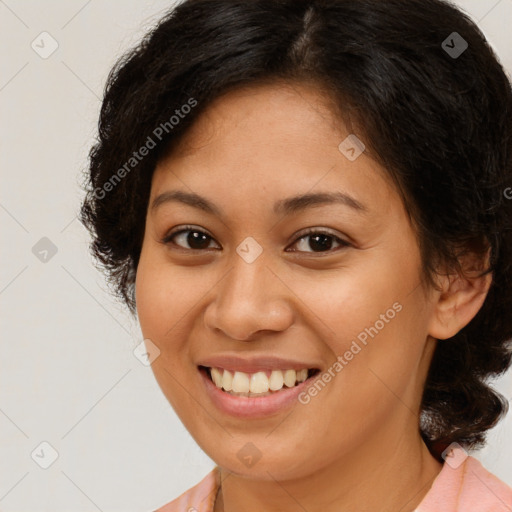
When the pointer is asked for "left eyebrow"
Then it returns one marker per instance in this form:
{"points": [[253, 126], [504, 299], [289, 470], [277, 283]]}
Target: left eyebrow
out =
{"points": [[298, 203], [286, 206]]}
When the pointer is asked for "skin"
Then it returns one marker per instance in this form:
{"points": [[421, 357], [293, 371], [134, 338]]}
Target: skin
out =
{"points": [[356, 445]]}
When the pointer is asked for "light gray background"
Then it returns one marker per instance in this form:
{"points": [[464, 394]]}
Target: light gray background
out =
{"points": [[68, 374]]}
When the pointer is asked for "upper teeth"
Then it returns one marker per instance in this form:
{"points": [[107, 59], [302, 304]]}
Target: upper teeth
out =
{"points": [[241, 382]]}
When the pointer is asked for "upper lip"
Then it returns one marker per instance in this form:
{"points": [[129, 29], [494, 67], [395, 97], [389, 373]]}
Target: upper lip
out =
{"points": [[254, 364]]}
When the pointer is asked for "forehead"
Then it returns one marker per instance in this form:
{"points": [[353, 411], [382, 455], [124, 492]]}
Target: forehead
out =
{"points": [[264, 114], [268, 140]]}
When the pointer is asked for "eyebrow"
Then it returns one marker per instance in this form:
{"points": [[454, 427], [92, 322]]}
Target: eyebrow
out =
{"points": [[286, 206]]}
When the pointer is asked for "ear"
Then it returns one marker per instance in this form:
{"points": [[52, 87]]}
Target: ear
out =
{"points": [[460, 296]]}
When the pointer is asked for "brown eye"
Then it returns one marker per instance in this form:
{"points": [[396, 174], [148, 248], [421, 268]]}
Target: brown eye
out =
{"points": [[195, 238], [319, 241]]}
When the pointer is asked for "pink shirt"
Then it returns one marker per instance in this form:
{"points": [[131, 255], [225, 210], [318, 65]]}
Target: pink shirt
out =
{"points": [[469, 487]]}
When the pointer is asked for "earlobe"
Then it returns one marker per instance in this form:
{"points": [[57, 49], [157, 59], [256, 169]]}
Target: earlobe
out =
{"points": [[459, 299]]}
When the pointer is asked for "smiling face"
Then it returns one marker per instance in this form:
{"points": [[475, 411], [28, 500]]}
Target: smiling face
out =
{"points": [[237, 275]]}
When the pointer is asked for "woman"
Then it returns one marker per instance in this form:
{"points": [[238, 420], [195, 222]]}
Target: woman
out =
{"points": [[303, 201]]}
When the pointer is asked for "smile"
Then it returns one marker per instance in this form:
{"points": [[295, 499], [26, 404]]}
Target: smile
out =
{"points": [[258, 384], [255, 398]]}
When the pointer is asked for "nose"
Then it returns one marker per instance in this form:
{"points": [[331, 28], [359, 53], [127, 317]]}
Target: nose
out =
{"points": [[249, 301]]}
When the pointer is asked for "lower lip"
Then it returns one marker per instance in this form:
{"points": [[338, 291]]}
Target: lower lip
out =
{"points": [[252, 407]]}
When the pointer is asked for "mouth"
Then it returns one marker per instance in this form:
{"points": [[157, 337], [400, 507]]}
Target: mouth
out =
{"points": [[258, 384]]}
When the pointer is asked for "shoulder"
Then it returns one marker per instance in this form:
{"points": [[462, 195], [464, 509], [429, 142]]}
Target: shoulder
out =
{"points": [[199, 498], [468, 487], [482, 488]]}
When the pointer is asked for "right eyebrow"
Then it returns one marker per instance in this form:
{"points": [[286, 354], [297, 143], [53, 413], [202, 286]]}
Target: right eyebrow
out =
{"points": [[189, 198]]}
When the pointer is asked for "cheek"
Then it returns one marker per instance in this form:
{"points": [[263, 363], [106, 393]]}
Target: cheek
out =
{"points": [[150, 297], [345, 302], [373, 316], [168, 299], [159, 303], [161, 311]]}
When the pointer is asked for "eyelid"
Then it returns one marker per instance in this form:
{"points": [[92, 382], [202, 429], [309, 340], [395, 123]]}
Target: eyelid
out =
{"points": [[187, 227]]}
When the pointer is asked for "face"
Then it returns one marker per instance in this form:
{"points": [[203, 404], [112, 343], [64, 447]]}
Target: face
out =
{"points": [[247, 277]]}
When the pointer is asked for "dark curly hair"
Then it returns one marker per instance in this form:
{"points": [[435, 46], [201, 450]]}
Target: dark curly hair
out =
{"points": [[435, 114]]}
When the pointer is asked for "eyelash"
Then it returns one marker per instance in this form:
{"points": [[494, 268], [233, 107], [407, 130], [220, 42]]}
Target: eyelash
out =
{"points": [[310, 231]]}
